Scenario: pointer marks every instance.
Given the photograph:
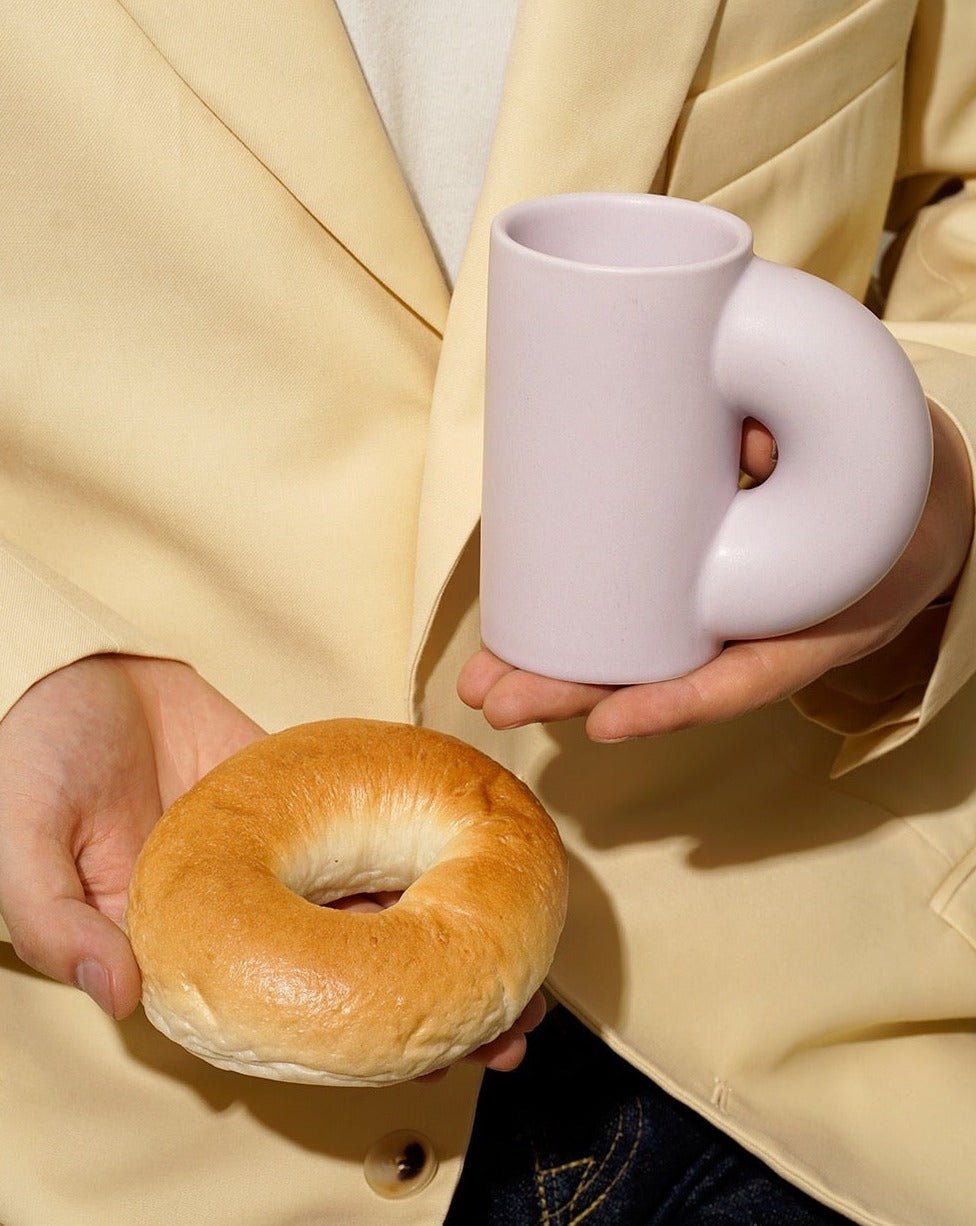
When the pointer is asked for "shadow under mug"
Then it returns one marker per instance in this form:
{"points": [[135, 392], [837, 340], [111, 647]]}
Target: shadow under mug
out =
{"points": [[629, 336]]}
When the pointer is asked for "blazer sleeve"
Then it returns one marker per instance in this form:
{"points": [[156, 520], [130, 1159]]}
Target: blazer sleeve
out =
{"points": [[49, 623], [927, 292]]}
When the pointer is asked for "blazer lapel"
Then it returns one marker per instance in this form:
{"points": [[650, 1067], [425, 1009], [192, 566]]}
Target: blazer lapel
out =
{"points": [[284, 79], [592, 94]]}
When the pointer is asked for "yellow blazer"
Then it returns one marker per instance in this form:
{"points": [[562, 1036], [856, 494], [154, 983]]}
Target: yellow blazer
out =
{"points": [[241, 417]]}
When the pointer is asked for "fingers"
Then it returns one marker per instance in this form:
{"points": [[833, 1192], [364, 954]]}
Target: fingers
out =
{"points": [[52, 927], [507, 1051], [479, 676], [745, 677], [77, 797], [758, 452], [509, 697]]}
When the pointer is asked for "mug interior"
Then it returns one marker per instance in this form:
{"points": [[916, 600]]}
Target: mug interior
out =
{"points": [[625, 231]]}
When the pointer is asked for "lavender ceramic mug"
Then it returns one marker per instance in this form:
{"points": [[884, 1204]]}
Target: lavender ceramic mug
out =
{"points": [[628, 338]]}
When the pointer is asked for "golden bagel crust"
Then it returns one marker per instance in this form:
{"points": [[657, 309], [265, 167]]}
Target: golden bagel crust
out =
{"points": [[243, 967]]}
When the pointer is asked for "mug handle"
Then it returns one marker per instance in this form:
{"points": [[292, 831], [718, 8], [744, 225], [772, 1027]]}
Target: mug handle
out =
{"points": [[855, 455]]}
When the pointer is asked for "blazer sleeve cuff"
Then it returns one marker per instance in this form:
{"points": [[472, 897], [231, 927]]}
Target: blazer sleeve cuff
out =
{"points": [[48, 623], [879, 703]]}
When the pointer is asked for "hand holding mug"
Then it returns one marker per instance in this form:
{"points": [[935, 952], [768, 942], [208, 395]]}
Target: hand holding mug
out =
{"points": [[752, 674], [629, 339]]}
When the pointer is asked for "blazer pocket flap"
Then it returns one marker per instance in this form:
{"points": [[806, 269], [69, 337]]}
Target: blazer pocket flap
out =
{"points": [[746, 120]]}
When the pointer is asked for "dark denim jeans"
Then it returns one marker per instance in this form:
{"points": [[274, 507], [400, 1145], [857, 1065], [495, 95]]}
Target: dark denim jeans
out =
{"points": [[577, 1135]]}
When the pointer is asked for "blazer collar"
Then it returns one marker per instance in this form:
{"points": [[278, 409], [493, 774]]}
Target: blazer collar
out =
{"points": [[591, 97], [285, 80]]}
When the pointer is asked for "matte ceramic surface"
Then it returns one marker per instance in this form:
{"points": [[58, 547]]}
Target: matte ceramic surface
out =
{"points": [[628, 338]]}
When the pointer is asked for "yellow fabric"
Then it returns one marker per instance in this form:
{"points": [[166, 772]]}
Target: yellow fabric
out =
{"points": [[232, 435]]}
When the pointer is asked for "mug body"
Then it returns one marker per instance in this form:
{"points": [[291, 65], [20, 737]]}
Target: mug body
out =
{"points": [[610, 457]]}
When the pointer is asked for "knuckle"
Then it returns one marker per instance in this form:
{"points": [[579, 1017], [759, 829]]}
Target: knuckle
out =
{"points": [[26, 939], [771, 682]]}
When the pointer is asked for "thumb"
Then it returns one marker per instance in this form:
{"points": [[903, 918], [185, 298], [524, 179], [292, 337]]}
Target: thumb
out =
{"points": [[52, 927]]}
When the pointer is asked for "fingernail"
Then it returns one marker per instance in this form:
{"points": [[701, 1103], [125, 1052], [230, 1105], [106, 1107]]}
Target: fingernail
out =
{"points": [[92, 978], [774, 452]]}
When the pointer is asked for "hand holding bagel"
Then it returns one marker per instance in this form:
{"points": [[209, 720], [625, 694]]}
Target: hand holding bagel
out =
{"points": [[244, 966], [89, 758]]}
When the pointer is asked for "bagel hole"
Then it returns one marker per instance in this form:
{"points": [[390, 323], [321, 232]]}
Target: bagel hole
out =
{"points": [[366, 868]]}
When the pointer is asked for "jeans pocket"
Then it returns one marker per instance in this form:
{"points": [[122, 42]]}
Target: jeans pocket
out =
{"points": [[591, 1187]]}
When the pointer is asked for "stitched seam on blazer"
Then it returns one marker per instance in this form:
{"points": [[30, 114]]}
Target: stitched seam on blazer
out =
{"points": [[809, 41], [851, 102]]}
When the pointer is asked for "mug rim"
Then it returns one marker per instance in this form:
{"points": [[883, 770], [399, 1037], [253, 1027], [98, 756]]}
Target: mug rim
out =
{"points": [[507, 217]]}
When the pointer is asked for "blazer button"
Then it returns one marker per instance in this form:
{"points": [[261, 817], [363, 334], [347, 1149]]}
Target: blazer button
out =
{"points": [[400, 1164]]}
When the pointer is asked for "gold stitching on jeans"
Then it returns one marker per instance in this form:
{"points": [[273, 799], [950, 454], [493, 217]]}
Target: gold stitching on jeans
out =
{"points": [[552, 1217], [552, 1170], [587, 1179], [621, 1172], [541, 1173]]}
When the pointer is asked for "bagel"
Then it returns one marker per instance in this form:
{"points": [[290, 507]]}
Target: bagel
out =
{"points": [[244, 967]]}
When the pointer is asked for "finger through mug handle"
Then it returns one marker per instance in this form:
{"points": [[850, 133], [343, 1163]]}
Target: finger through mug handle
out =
{"points": [[855, 455]]}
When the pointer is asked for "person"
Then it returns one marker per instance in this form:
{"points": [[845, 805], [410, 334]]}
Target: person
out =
{"points": [[241, 419]]}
